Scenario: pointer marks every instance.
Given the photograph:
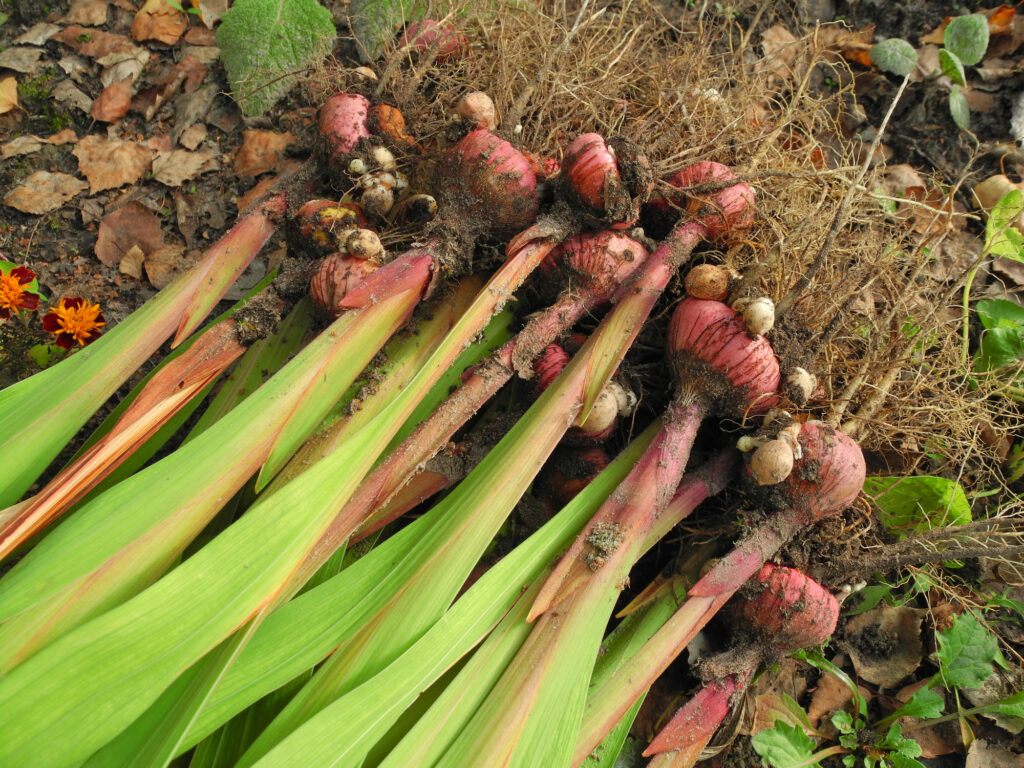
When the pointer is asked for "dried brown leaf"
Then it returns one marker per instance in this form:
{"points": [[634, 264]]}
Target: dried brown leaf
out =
{"points": [[23, 145], [131, 225], [131, 262], [8, 94], [43, 192], [111, 163], [159, 20], [260, 152], [178, 166], [113, 103], [779, 47], [165, 264], [91, 13], [885, 644]]}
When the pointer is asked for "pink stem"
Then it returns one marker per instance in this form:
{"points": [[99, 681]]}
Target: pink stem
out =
{"points": [[692, 727], [630, 512]]}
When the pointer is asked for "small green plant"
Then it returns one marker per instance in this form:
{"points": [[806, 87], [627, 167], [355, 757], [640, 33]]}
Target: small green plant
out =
{"points": [[964, 41], [1002, 343], [966, 657]]}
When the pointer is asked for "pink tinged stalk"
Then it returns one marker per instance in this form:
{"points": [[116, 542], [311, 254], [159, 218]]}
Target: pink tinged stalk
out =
{"points": [[169, 390], [824, 482], [692, 727], [608, 256], [227, 260], [702, 335], [788, 610]]}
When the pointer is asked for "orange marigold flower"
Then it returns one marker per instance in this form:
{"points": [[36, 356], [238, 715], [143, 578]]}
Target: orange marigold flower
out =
{"points": [[74, 320], [15, 293]]}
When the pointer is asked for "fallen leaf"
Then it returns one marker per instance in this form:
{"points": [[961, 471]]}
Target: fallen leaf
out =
{"points": [[94, 43], [111, 163], [830, 696], [201, 36], [131, 262], [164, 265], [979, 101], [43, 192], [159, 20], [885, 644], [1000, 19], [160, 143], [927, 62], [92, 13], [211, 11], [853, 44], [999, 685], [179, 165], [78, 68], [193, 136], [121, 65], [66, 93], [788, 678], [37, 34], [23, 145], [8, 94], [113, 103], [263, 185], [20, 59], [193, 106], [131, 225], [194, 71], [67, 136], [206, 54], [981, 754], [993, 69], [260, 151], [779, 46]]}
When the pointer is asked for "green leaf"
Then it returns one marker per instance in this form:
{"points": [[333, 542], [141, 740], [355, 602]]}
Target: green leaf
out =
{"points": [[967, 37], [918, 503], [958, 108], [784, 746], [926, 702], [1000, 347], [45, 355], [894, 55], [966, 653], [1000, 313], [374, 22], [952, 67], [1012, 706], [265, 44], [1001, 237], [870, 597], [842, 720], [896, 741]]}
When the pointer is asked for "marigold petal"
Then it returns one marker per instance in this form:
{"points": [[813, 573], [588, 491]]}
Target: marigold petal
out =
{"points": [[29, 301], [72, 303], [5, 314], [24, 275], [51, 323], [64, 340]]}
